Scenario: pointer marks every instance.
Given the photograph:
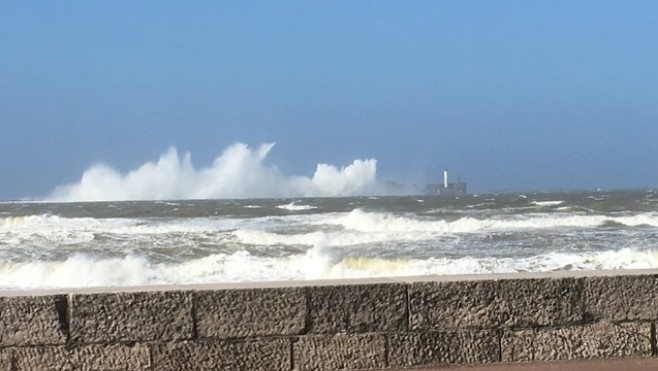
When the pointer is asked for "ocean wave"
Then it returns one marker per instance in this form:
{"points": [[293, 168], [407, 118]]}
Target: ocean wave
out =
{"points": [[357, 227], [316, 263], [362, 221]]}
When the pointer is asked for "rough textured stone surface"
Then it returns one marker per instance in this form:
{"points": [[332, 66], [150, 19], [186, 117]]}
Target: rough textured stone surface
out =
{"points": [[602, 340], [85, 358], [443, 348], [621, 298], [111, 358], [250, 312], [141, 316], [33, 320], [264, 355], [492, 304], [358, 308], [340, 352], [5, 361], [516, 346], [346, 327], [42, 358]]}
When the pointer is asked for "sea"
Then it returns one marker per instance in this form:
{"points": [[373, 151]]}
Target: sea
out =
{"points": [[91, 244]]}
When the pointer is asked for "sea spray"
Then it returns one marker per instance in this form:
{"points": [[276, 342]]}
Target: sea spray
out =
{"points": [[239, 172]]}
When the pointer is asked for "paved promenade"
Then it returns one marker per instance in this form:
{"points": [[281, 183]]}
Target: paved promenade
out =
{"points": [[630, 364]]}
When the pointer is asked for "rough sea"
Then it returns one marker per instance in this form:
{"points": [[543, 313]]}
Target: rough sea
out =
{"points": [[53, 245]]}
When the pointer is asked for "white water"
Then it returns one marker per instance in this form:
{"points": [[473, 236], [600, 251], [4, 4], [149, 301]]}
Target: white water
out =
{"points": [[547, 203], [351, 228], [386, 222], [239, 172], [84, 271], [294, 206], [322, 245]]}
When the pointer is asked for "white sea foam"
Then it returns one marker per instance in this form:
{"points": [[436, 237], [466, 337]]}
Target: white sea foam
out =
{"points": [[45, 222], [295, 206], [239, 172], [547, 203], [317, 263], [325, 245], [357, 227], [50, 231], [359, 220], [77, 271], [372, 222], [360, 228], [318, 238]]}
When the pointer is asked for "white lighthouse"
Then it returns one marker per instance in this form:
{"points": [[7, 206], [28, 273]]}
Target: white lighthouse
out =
{"points": [[448, 188]]}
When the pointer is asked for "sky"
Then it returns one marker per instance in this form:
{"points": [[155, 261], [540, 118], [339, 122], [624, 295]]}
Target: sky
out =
{"points": [[511, 95]]}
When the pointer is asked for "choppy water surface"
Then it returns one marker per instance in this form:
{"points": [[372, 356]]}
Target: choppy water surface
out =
{"points": [[152, 242]]}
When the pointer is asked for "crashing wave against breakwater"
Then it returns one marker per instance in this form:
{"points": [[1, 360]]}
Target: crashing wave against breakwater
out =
{"points": [[239, 172]]}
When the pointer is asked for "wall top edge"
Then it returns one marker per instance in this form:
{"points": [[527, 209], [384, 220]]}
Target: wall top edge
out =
{"points": [[331, 282]]}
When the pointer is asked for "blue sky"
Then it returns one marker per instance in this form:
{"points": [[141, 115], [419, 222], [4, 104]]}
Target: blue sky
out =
{"points": [[513, 95]]}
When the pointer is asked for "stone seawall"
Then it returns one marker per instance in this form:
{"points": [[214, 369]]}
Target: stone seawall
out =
{"points": [[339, 325]]}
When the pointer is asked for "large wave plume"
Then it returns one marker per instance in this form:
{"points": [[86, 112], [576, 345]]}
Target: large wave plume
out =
{"points": [[239, 172]]}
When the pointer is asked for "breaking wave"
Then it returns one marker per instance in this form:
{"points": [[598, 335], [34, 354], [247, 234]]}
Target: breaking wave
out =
{"points": [[316, 263], [239, 172], [356, 227], [373, 222]]}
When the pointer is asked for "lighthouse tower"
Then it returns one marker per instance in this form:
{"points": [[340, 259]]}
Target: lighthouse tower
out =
{"points": [[448, 189]]}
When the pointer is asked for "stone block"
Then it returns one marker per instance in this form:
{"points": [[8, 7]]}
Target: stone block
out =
{"points": [[263, 355], [6, 361], [131, 316], [339, 352], [443, 348], [36, 320], [42, 358], [115, 357], [622, 298], [358, 308], [517, 346], [250, 312], [601, 340], [518, 303], [84, 358]]}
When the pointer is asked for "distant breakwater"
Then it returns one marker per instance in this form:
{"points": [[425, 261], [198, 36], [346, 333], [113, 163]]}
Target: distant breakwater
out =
{"points": [[334, 325]]}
